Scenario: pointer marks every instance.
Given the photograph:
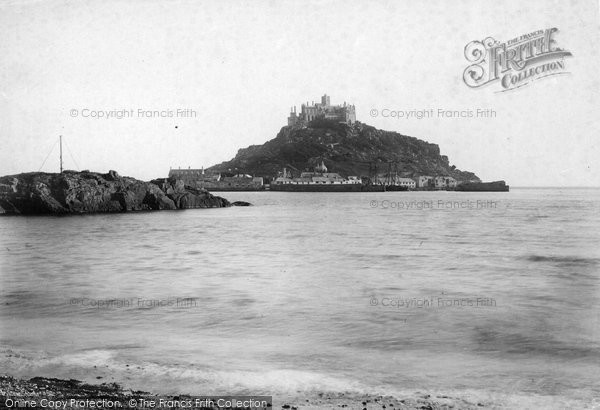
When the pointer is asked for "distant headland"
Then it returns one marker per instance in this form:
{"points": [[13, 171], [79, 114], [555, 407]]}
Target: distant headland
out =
{"points": [[324, 148]]}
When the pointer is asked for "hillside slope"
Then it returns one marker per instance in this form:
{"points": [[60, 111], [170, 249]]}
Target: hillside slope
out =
{"points": [[347, 149]]}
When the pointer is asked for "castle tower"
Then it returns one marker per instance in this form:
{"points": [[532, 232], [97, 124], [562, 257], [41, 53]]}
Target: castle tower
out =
{"points": [[309, 112], [293, 118]]}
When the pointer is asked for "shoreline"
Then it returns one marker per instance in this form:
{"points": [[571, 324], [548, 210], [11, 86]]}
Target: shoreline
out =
{"points": [[38, 388]]}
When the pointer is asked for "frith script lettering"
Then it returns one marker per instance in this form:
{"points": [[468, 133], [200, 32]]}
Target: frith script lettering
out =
{"points": [[516, 62]]}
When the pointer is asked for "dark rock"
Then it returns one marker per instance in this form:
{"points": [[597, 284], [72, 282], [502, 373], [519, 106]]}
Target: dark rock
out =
{"points": [[112, 175], [495, 186], [241, 203], [89, 192], [185, 197]]}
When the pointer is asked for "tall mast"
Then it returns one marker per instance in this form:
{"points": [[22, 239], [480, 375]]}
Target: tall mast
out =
{"points": [[61, 166]]}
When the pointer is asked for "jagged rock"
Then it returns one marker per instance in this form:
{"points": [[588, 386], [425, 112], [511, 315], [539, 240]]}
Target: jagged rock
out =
{"points": [[112, 176], [346, 149], [241, 203], [169, 185], [74, 192], [185, 197]]}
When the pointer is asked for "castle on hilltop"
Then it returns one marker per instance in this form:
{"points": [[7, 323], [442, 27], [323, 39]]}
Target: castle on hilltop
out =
{"points": [[324, 110]]}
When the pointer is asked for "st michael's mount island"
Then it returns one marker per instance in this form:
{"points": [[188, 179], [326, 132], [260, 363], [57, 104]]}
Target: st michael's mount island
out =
{"points": [[324, 148]]}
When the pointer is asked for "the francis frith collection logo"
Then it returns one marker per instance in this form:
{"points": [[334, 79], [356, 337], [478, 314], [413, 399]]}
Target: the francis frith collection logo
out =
{"points": [[516, 62]]}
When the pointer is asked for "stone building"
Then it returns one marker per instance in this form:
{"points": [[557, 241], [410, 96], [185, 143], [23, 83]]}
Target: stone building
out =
{"points": [[323, 110], [198, 178], [424, 181], [444, 182], [406, 182], [193, 175], [320, 175]]}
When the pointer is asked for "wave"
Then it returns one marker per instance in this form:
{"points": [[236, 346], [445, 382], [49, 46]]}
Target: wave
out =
{"points": [[295, 385], [205, 378]]}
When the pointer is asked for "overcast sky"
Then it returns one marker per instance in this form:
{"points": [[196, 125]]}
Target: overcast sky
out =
{"points": [[241, 65]]}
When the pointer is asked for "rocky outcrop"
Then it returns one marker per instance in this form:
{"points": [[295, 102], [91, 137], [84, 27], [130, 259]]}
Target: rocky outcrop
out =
{"points": [[495, 186], [89, 192], [241, 203], [185, 197], [357, 149]]}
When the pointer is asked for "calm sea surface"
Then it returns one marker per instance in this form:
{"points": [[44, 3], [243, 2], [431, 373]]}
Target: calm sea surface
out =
{"points": [[375, 292]]}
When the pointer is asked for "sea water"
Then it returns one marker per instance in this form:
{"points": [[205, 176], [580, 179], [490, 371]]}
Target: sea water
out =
{"points": [[489, 294]]}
